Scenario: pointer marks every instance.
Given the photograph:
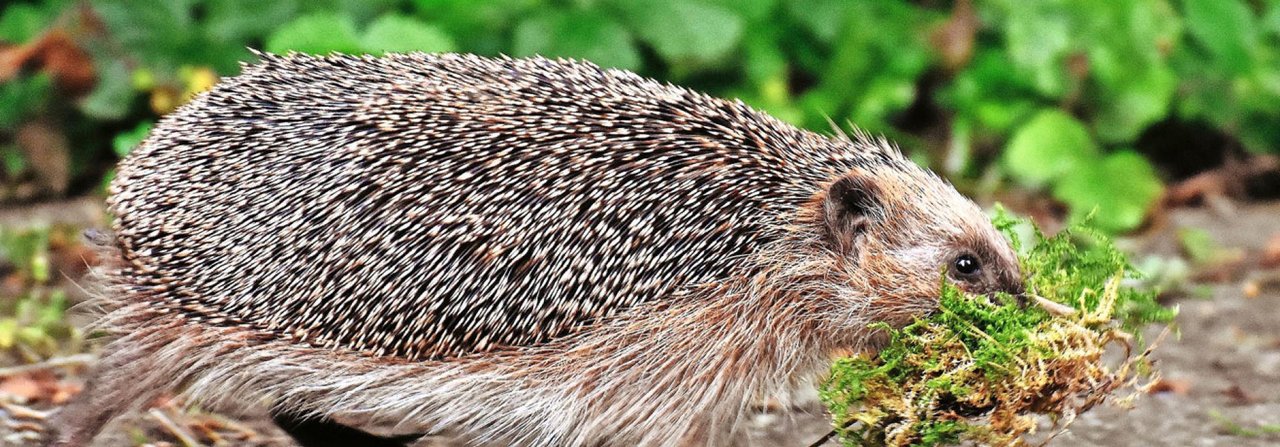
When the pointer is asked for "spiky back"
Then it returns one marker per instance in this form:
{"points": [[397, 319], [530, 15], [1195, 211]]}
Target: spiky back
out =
{"points": [[425, 207]]}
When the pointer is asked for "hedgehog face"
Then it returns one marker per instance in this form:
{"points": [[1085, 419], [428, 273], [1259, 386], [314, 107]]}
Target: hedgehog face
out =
{"points": [[896, 232], [980, 260]]}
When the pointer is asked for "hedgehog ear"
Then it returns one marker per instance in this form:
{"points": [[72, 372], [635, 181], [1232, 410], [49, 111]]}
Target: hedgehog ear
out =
{"points": [[851, 203]]}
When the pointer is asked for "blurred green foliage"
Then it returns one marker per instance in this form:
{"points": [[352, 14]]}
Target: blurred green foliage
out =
{"points": [[1052, 95], [33, 304]]}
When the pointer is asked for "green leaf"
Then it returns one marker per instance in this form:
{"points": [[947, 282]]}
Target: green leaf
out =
{"points": [[8, 332], [1039, 36], [21, 97], [159, 32], [871, 73], [397, 33], [764, 60], [113, 95], [40, 267], [12, 161], [883, 97], [752, 10], [1046, 148], [164, 34], [1122, 188], [244, 20], [124, 142], [1271, 21], [19, 23], [1204, 90], [1000, 116], [824, 18], [579, 34], [684, 32], [52, 314], [472, 23], [1126, 105], [1131, 82], [1199, 245], [315, 34], [1226, 28], [360, 12], [991, 93], [1260, 133]]}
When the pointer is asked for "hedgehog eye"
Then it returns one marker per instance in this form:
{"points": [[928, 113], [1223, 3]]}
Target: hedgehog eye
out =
{"points": [[967, 265]]}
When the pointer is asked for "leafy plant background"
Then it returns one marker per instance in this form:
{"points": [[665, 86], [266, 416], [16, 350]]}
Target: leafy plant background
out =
{"points": [[1091, 103]]}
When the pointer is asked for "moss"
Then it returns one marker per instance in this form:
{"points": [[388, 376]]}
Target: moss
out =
{"points": [[983, 369]]}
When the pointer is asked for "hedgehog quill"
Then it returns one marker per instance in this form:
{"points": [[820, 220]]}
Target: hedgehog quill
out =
{"points": [[521, 251]]}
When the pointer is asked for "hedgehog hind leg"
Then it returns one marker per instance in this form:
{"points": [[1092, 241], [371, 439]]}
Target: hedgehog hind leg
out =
{"points": [[115, 386], [324, 432]]}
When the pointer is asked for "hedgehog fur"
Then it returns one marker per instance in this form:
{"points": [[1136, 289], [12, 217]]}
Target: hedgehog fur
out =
{"points": [[528, 251]]}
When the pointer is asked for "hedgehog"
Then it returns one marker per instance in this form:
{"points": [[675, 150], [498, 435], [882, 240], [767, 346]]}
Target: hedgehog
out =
{"points": [[522, 251]]}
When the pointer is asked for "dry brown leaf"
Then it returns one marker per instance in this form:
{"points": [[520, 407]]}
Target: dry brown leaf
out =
{"points": [[22, 388], [1239, 396], [1175, 386], [71, 66], [63, 391], [56, 53], [1251, 289], [1271, 252], [12, 59]]}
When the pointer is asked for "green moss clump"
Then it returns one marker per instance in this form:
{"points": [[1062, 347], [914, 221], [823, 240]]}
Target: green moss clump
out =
{"points": [[983, 369]]}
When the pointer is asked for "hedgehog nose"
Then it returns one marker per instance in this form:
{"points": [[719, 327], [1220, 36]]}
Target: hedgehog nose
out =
{"points": [[1015, 288], [1018, 291], [1012, 285], [1022, 299]]}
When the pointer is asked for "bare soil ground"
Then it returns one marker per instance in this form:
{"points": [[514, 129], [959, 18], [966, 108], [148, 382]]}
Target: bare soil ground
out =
{"points": [[1221, 382], [1224, 371]]}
